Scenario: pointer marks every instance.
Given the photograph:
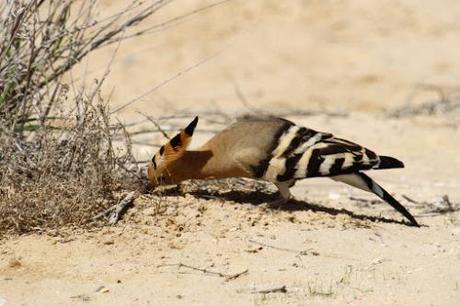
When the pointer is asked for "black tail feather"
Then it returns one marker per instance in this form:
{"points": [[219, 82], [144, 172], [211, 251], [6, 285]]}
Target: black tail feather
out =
{"points": [[387, 162]]}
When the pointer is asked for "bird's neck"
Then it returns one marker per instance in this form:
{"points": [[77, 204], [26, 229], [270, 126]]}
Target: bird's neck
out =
{"points": [[191, 165], [202, 164]]}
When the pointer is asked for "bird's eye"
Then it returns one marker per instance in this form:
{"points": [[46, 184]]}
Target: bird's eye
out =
{"points": [[154, 163]]}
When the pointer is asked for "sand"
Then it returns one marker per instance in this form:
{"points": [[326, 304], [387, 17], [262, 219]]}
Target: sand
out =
{"points": [[350, 62]]}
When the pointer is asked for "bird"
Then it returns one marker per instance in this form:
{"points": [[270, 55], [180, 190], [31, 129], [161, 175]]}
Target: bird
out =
{"points": [[273, 149]]}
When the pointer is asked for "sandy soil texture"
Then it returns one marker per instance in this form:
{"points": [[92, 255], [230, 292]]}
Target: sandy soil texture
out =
{"points": [[350, 62]]}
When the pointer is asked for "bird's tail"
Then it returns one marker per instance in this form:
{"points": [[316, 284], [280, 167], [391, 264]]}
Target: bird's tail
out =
{"points": [[387, 162], [364, 182]]}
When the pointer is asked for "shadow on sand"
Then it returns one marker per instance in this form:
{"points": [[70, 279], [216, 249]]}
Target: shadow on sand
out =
{"points": [[259, 197]]}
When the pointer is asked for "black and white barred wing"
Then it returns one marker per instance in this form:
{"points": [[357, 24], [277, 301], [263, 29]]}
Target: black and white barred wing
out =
{"points": [[302, 153]]}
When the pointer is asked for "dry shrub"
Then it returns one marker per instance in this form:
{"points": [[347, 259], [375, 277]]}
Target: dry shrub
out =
{"points": [[59, 164], [62, 177]]}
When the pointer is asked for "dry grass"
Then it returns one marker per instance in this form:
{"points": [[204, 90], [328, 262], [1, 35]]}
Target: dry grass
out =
{"points": [[445, 104], [59, 164], [62, 178]]}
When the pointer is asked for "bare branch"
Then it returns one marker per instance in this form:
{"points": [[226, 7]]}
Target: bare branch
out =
{"points": [[227, 277]]}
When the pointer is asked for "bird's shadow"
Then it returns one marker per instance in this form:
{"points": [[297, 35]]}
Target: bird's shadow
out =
{"points": [[259, 197]]}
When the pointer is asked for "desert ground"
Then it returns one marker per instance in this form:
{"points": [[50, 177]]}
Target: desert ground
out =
{"points": [[345, 67]]}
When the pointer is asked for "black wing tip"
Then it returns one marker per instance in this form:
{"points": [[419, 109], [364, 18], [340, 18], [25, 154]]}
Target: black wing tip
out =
{"points": [[387, 162], [191, 127]]}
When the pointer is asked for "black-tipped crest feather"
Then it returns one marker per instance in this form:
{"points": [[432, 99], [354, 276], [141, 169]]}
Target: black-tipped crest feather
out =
{"points": [[191, 127], [175, 142]]}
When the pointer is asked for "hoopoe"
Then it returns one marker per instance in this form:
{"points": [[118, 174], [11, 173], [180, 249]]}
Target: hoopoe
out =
{"points": [[275, 150]]}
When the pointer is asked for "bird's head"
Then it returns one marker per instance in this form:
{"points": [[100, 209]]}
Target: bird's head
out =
{"points": [[157, 169]]}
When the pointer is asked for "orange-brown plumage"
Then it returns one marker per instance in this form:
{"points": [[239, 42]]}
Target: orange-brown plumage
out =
{"points": [[230, 153]]}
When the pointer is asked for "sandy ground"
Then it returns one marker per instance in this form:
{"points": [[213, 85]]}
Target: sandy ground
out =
{"points": [[218, 242]]}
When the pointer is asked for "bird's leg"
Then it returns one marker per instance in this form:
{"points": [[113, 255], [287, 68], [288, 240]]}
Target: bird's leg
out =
{"points": [[285, 194]]}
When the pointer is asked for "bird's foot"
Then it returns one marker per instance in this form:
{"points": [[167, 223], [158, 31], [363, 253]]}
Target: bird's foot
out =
{"points": [[284, 195], [278, 203]]}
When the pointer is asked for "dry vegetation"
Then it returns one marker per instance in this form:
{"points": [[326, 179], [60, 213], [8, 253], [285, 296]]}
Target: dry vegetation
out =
{"points": [[59, 162], [446, 104]]}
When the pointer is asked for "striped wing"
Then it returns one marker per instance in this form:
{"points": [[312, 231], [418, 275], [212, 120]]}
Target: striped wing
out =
{"points": [[302, 153], [334, 156]]}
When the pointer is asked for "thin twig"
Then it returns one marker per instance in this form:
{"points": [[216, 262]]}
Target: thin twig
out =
{"points": [[145, 143], [281, 289], [166, 81], [121, 207], [304, 252], [150, 131], [441, 206], [411, 200], [104, 213], [142, 161], [227, 277], [243, 99], [365, 201], [236, 275], [176, 20], [149, 118]]}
